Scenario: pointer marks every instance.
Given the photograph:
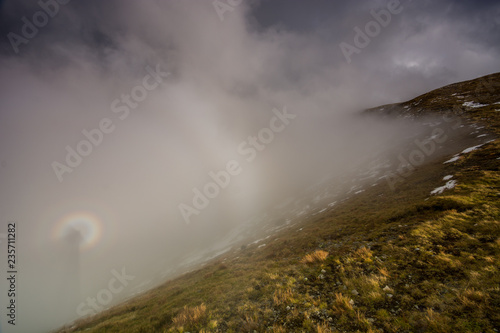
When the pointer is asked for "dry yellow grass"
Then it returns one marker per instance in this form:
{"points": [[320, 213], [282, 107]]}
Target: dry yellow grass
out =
{"points": [[318, 255], [342, 304], [190, 315], [282, 296], [323, 328]]}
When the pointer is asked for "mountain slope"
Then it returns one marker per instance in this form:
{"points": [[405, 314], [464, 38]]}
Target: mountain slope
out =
{"points": [[419, 251]]}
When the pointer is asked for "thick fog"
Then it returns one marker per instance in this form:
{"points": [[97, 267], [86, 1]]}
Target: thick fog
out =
{"points": [[116, 115]]}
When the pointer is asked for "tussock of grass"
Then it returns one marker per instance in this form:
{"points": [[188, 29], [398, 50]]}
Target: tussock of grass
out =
{"points": [[316, 256], [283, 296], [342, 304], [190, 316]]}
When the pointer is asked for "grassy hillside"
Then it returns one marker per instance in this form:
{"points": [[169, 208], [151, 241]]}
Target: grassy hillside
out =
{"points": [[386, 260]]}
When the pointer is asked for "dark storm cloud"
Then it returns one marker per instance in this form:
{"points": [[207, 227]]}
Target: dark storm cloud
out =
{"points": [[430, 42], [481, 17], [464, 26]]}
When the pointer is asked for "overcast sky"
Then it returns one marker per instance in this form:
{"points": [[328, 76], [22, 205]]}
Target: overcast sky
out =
{"points": [[221, 69], [429, 42]]}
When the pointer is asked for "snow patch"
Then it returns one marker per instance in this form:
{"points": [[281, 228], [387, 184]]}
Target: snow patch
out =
{"points": [[470, 149], [448, 177], [453, 159], [474, 105], [448, 186]]}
